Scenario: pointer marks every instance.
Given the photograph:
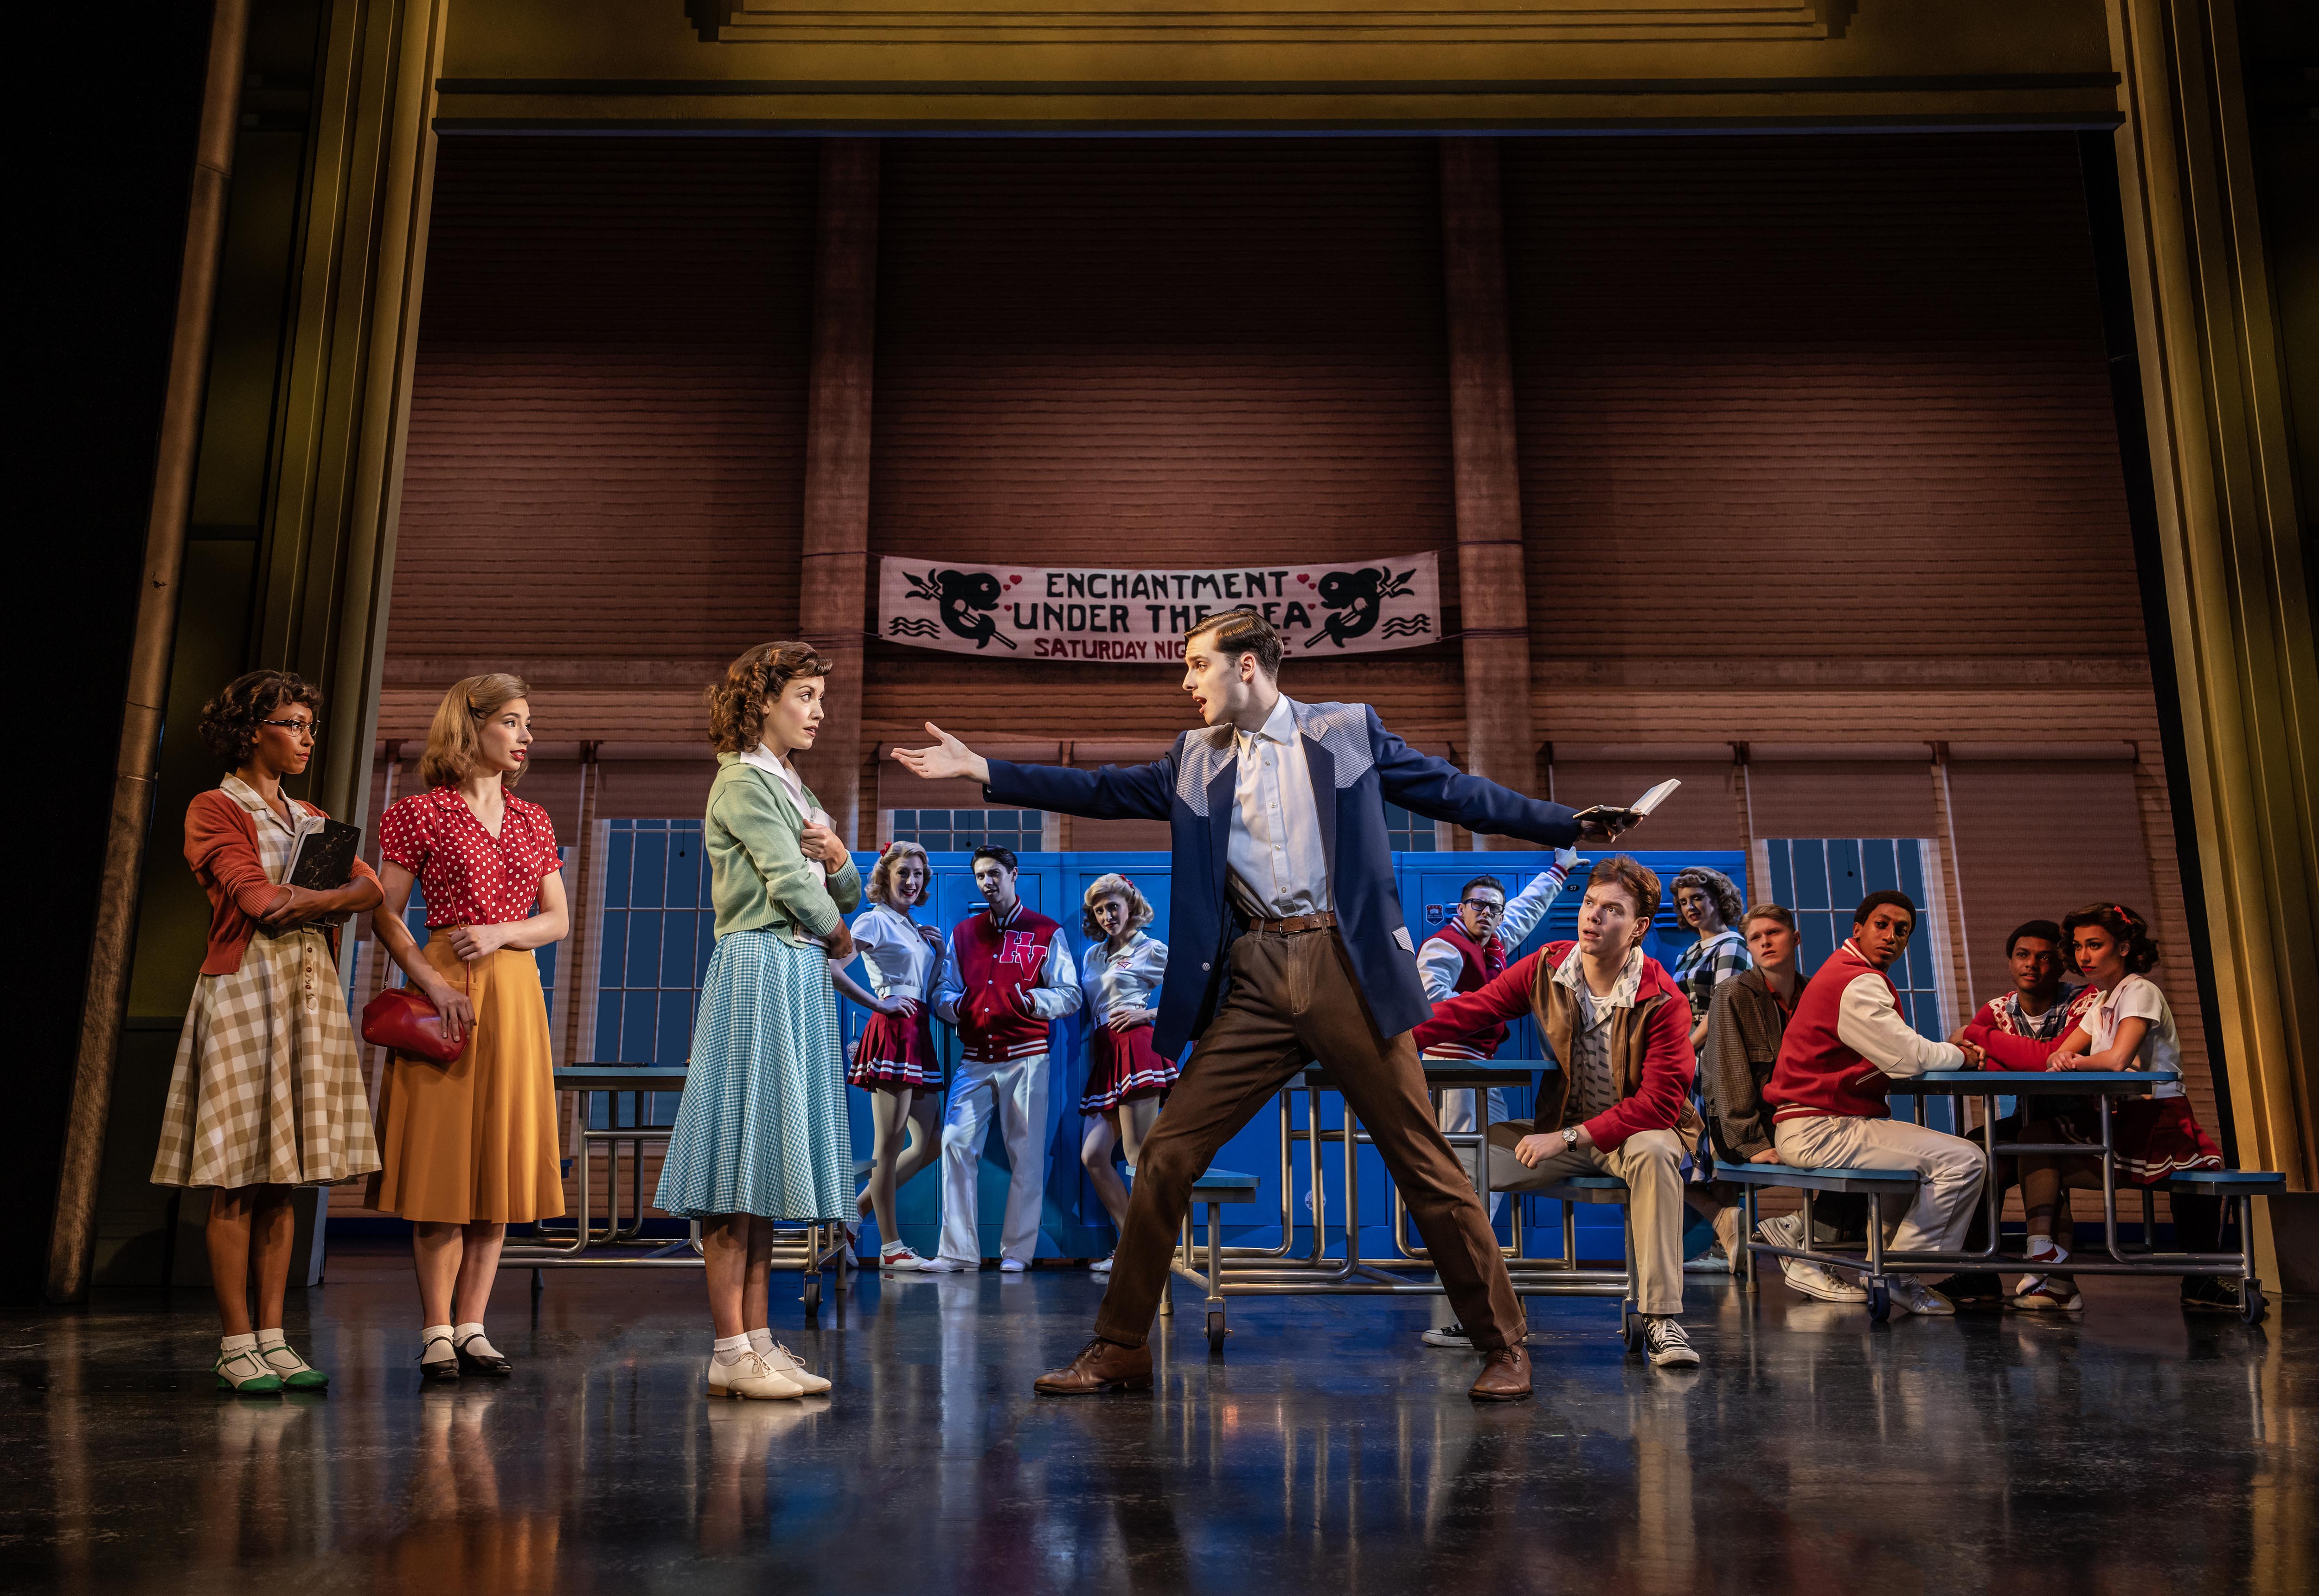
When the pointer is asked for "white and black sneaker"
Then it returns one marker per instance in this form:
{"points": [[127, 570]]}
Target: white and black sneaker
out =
{"points": [[1666, 1345], [1811, 1279], [1452, 1336], [1910, 1294]]}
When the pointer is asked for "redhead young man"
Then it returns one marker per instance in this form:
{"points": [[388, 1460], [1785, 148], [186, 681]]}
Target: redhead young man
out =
{"points": [[1622, 1104]]}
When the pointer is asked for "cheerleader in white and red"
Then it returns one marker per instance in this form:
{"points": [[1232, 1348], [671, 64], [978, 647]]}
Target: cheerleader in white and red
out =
{"points": [[895, 1060], [2130, 1026], [1126, 1081]]}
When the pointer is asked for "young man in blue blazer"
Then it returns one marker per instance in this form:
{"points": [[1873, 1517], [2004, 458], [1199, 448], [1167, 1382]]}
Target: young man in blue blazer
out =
{"points": [[1287, 944]]}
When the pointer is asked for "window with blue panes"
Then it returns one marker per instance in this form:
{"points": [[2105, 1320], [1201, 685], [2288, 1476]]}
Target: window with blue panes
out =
{"points": [[1823, 879], [961, 831], [1411, 833]]}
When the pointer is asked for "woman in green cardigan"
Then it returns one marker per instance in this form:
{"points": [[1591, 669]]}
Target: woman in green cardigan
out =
{"points": [[762, 1134]]}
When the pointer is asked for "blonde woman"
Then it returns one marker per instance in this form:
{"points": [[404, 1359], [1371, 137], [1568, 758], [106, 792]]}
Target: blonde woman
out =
{"points": [[470, 1147], [896, 1062], [1126, 1081], [267, 1091], [762, 1133]]}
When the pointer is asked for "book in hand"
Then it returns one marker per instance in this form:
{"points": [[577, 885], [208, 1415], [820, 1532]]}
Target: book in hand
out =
{"points": [[323, 861], [1612, 818]]}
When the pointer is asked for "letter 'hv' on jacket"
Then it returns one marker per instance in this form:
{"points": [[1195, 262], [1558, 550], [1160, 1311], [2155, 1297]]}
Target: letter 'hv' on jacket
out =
{"points": [[1357, 768]]}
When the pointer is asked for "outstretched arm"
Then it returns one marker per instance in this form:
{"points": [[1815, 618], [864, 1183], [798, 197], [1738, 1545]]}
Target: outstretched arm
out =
{"points": [[1440, 791], [1115, 792], [1504, 997]]}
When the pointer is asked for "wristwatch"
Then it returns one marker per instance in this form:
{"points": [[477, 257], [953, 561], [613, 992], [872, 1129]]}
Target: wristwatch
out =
{"points": [[1569, 1137]]}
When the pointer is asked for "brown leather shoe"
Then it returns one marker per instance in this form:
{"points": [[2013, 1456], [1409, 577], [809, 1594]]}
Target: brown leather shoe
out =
{"points": [[1101, 1365], [1505, 1375]]}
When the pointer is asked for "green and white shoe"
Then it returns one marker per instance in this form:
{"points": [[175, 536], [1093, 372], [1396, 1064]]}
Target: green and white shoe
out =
{"points": [[296, 1373], [245, 1374]]}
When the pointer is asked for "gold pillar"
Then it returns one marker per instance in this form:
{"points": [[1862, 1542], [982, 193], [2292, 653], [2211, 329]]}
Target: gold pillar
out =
{"points": [[2238, 592]]}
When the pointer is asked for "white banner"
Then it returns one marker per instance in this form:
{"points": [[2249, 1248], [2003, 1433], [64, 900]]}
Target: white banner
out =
{"points": [[1135, 616]]}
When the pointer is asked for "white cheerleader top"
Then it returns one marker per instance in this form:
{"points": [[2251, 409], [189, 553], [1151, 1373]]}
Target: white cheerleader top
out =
{"points": [[900, 962], [1129, 978]]}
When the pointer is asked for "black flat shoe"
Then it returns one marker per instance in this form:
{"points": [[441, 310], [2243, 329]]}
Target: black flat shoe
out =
{"points": [[482, 1363], [440, 1371]]}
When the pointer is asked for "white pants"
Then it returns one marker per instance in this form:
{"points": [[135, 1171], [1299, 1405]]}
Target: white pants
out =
{"points": [[1015, 1089], [1949, 1170]]}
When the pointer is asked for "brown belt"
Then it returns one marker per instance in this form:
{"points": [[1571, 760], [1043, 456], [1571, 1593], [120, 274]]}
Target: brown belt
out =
{"points": [[1294, 925]]}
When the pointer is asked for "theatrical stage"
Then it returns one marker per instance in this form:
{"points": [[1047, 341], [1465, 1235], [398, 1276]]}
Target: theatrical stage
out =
{"points": [[1325, 1451]]}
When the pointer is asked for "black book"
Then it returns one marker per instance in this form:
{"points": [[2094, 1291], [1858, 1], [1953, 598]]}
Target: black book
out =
{"points": [[324, 860]]}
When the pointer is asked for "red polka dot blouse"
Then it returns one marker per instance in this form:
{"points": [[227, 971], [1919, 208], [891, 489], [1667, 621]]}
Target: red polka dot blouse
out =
{"points": [[467, 876]]}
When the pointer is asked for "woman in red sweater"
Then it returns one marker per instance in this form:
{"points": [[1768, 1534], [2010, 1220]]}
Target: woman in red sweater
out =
{"points": [[267, 1091]]}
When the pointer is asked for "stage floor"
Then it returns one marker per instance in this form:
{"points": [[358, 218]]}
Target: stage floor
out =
{"points": [[1327, 1451]]}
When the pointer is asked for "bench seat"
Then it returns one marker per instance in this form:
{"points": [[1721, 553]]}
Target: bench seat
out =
{"points": [[1225, 1186], [1578, 1188], [2227, 1183], [1818, 1180]]}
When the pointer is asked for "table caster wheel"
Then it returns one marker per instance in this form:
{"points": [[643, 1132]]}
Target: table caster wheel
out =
{"points": [[1630, 1331], [1216, 1333], [2252, 1306], [812, 1296], [1879, 1304]]}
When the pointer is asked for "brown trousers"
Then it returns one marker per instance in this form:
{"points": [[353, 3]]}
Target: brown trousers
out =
{"points": [[1294, 1000]]}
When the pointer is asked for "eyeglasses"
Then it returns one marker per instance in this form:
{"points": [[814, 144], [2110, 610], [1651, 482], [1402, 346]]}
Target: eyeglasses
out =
{"points": [[1484, 905], [305, 730]]}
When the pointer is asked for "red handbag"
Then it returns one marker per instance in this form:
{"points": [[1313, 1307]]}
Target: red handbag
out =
{"points": [[402, 1021]]}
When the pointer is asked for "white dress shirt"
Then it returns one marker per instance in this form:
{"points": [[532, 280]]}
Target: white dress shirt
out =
{"points": [[1278, 865], [793, 784]]}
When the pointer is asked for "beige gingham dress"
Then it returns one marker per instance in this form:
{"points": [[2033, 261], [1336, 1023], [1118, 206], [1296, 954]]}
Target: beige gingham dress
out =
{"points": [[267, 1088]]}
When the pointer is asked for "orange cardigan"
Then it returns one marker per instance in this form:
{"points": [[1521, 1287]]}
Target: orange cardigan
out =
{"points": [[222, 846]]}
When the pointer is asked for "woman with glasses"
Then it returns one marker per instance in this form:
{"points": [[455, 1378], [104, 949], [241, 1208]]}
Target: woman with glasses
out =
{"points": [[267, 1093], [470, 1147]]}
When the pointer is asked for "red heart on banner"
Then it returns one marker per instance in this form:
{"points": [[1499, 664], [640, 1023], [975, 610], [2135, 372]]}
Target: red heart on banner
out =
{"points": [[1013, 581], [1304, 579]]}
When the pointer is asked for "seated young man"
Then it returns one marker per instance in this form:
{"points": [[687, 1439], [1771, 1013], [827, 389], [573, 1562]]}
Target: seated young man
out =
{"points": [[2041, 1007], [1622, 1104], [1744, 1022], [1842, 1050]]}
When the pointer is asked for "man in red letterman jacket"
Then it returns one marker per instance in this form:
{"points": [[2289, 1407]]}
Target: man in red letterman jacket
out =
{"points": [[1008, 974], [1843, 1047]]}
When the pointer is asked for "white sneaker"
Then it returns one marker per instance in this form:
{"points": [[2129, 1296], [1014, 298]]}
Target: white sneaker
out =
{"points": [[950, 1266], [784, 1362], [1452, 1336], [1912, 1296], [750, 1375], [899, 1256], [1102, 1266], [848, 1258], [1713, 1261], [1810, 1280], [1012, 1266], [1666, 1345]]}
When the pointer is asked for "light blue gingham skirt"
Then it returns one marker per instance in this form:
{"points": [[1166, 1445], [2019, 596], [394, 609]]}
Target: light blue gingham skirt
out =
{"points": [[763, 1128]]}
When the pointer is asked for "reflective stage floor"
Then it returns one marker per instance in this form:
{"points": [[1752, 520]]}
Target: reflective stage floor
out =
{"points": [[2131, 1451]]}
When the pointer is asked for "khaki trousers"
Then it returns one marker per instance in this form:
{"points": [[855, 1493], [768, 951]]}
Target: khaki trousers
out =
{"points": [[1651, 1164], [1293, 1001]]}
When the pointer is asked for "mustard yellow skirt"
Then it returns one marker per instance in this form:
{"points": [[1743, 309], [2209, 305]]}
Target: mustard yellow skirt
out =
{"points": [[474, 1142]]}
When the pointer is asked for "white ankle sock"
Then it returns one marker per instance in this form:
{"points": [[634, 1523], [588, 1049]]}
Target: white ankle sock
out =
{"points": [[229, 1345], [730, 1349], [271, 1338], [471, 1336], [761, 1341], [435, 1344], [2039, 1242]]}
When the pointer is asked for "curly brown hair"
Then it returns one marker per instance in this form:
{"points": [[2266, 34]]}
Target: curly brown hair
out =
{"points": [[1716, 886], [736, 705], [230, 720]]}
